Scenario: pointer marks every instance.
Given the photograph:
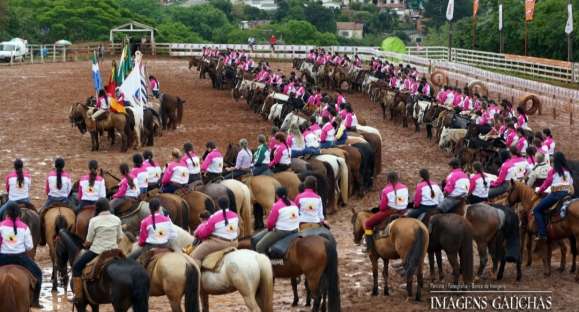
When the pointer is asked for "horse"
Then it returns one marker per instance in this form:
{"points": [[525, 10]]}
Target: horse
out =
{"points": [[453, 234], [123, 282], [408, 239], [53, 219], [315, 257], [244, 209], [558, 229], [254, 282], [16, 287], [151, 126], [171, 111], [79, 116], [262, 196]]}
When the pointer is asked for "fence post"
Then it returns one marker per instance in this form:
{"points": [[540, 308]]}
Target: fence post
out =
{"points": [[31, 55], [42, 54], [54, 54], [64, 53]]}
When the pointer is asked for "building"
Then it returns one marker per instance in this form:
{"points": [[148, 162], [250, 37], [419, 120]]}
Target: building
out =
{"points": [[390, 4], [253, 24], [350, 30], [266, 5], [331, 4]]}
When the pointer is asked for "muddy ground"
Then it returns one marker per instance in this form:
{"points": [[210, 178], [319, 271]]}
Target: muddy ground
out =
{"points": [[34, 108]]}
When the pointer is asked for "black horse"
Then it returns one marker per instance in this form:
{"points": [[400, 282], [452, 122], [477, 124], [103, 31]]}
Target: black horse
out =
{"points": [[124, 282]]}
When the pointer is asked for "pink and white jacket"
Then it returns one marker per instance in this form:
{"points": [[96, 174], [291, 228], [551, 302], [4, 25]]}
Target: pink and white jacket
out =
{"points": [[457, 183], [192, 163], [125, 190], [213, 162], [159, 234], [315, 128], [394, 197], [91, 193], [441, 97], [16, 192], [141, 176], [328, 133], [522, 145], [281, 155], [154, 173], [423, 195], [215, 226], [512, 169], [457, 99], [477, 185], [311, 207], [283, 217], [175, 172], [351, 120], [554, 179], [341, 99], [51, 188], [311, 139], [550, 144], [521, 121], [10, 243], [511, 137]]}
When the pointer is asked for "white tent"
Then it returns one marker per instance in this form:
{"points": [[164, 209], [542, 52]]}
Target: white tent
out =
{"points": [[132, 27]]}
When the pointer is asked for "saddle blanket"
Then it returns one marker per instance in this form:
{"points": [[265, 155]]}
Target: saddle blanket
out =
{"points": [[566, 205], [279, 248], [214, 260]]}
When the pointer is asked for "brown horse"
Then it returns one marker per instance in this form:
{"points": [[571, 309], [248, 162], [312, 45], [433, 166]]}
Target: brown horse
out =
{"points": [[558, 229], [54, 219], [16, 287], [290, 181], [315, 257], [171, 111], [262, 196], [408, 239], [80, 117], [244, 209]]}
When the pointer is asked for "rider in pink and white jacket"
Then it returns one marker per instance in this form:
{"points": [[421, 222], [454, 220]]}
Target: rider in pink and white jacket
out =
{"points": [[456, 187], [512, 169], [176, 174], [281, 155], [283, 220], [156, 230], [310, 204], [212, 165]]}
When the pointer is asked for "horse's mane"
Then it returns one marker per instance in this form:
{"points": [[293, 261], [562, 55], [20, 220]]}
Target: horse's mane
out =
{"points": [[71, 238]]}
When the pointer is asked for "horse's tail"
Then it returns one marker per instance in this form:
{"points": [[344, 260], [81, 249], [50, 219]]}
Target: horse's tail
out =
{"points": [[209, 205], [246, 209], [466, 257], [60, 223], [344, 183], [415, 256], [265, 290], [179, 105], [193, 277], [129, 125], [140, 294], [231, 198], [185, 214], [331, 274]]}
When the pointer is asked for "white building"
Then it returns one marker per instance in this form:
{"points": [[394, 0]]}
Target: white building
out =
{"points": [[350, 30], [266, 5]]}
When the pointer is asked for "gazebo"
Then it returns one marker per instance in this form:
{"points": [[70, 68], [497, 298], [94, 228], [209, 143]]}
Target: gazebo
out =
{"points": [[134, 27]]}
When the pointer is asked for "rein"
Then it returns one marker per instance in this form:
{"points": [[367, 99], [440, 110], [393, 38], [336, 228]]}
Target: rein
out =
{"points": [[111, 175]]}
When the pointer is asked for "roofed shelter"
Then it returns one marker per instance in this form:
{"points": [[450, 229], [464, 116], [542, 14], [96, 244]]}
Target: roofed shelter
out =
{"points": [[135, 27]]}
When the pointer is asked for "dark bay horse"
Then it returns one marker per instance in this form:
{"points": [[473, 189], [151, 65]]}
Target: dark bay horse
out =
{"points": [[16, 287], [124, 282], [171, 111]]}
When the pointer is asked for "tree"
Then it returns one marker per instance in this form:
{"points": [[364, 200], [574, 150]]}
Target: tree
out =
{"points": [[177, 32], [382, 22], [324, 19], [435, 11]]}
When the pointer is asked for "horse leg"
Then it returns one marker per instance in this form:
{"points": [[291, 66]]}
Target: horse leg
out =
{"points": [[205, 301], [573, 245], [308, 293], [483, 256], [519, 272], [439, 263], [453, 259], [431, 264], [374, 261], [547, 259], [501, 269], [294, 282], [419, 283], [529, 236], [54, 276], [258, 216], [314, 280], [385, 276], [563, 247]]}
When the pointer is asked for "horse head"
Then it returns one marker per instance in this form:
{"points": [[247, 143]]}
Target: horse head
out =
{"points": [[77, 115], [357, 226]]}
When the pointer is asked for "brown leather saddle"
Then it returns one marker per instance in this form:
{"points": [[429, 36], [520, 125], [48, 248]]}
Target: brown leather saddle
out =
{"points": [[380, 230], [94, 269], [554, 213], [124, 210], [152, 255]]}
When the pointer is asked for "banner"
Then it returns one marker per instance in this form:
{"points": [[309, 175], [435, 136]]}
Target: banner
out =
{"points": [[500, 17], [96, 73], [135, 90], [569, 25], [529, 10], [450, 10], [474, 8]]}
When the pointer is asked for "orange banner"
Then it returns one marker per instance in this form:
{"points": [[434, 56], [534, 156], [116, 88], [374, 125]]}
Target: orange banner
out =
{"points": [[474, 8], [529, 10]]}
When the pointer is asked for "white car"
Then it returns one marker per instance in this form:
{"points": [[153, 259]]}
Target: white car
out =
{"points": [[15, 50]]}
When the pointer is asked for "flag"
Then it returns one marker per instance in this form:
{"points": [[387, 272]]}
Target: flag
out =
{"points": [[569, 25], [450, 10], [529, 10], [135, 93], [125, 65], [474, 8], [96, 73], [112, 84], [500, 17]]}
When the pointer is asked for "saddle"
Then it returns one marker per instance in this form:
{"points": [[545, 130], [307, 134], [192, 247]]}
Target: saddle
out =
{"points": [[382, 230], [94, 269], [152, 255], [556, 213], [214, 260], [279, 249], [43, 212], [128, 210]]}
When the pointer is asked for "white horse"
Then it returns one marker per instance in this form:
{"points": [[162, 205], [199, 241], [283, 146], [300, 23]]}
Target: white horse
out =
{"points": [[340, 168], [308, 68], [292, 119], [275, 112], [368, 129], [449, 137]]}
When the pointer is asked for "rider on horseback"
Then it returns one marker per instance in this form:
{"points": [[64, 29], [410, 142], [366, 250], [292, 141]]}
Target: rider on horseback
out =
{"points": [[282, 154], [91, 187], [58, 185], [310, 205], [156, 230], [15, 241], [296, 141], [154, 85], [311, 140], [328, 133], [17, 185], [260, 157], [104, 233], [242, 162], [212, 164], [538, 172], [219, 232], [479, 185], [192, 161], [512, 169], [154, 172], [176, 174], [393, 200], [560, 180], [128, 188], [283, 220], [102, 104], [427, 197], [140, 174], [456, 187]]}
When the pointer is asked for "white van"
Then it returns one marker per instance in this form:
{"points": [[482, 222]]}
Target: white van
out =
{"points": [[15, 49]]}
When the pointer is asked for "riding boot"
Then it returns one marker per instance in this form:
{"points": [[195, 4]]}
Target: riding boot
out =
{"points": [[36, 298], [77, 289], [369, 236]]}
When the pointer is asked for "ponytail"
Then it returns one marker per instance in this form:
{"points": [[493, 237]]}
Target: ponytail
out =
{"points": [[477, 166], [59, 165], [425, 175], [18, 165], [431, 189], [92, 166], [224, 205], [124, 169], [281, 193], [148, 155], [13, 212], [154, 206]]}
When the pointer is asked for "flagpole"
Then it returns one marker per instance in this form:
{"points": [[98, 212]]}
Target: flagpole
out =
{"points": [[526, 36], [474, 32], [449, 40], [501, 39], [569, 42]]}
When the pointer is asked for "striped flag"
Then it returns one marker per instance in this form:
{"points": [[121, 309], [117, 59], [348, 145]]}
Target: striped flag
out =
{"points": [[96, 73], [124, 66]]}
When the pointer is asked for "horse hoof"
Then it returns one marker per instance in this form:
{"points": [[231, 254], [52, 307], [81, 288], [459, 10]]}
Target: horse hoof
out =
{"points": [[294, 304], [561, 269], [375, 293]]}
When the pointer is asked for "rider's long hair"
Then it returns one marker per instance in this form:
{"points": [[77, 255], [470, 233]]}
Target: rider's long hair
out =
{"points": [[13, 212], [224, 205], [477, 166], [154, 206], [124, 169], [392, 179], [281, 193], [425, 175], [560, 164], [148, 155], [93, 165], [188, 149], [59, 166], [18, 167], [138, 160]]}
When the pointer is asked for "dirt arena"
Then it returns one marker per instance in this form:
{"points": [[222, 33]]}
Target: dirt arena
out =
{"points": [[34, 108]]}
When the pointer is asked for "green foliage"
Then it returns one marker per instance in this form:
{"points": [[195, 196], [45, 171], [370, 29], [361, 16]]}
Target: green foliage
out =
{"points": [[382, 22], [322, 18], [435, 10], [177, 32]]}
